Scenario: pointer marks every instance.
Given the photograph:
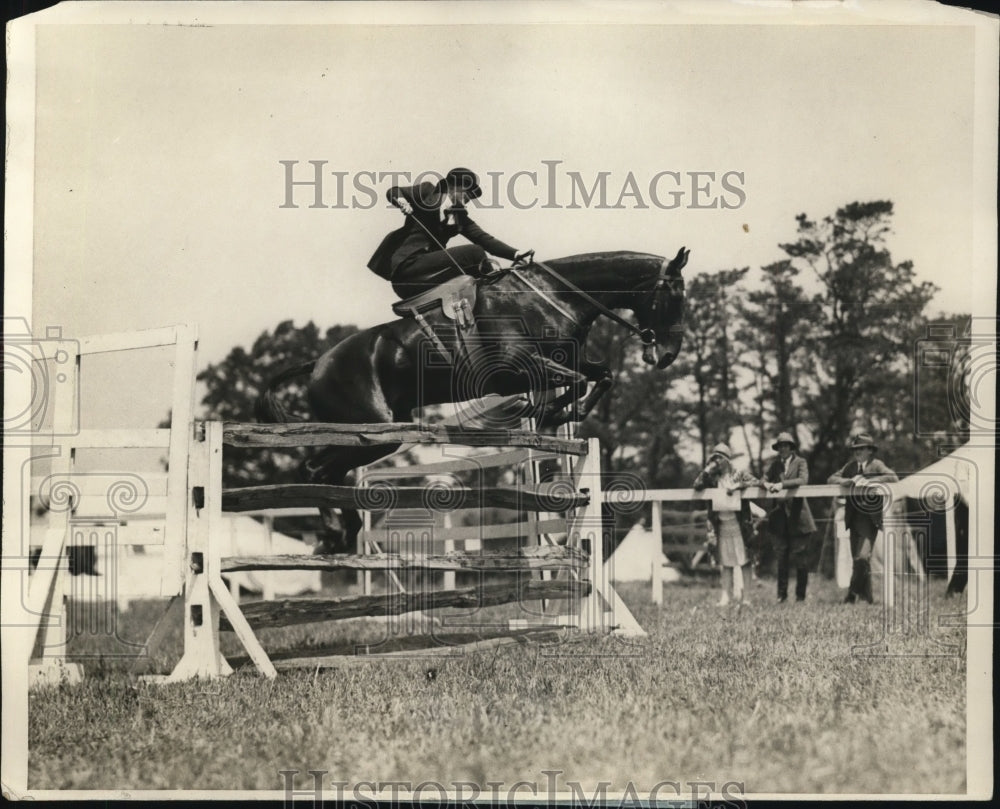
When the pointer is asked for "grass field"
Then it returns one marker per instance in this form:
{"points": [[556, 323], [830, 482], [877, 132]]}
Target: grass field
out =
{"points": [[771, 697]]}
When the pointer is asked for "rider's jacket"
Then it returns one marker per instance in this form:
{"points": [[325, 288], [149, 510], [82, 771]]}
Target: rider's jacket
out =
{"points": [[441, 224]]}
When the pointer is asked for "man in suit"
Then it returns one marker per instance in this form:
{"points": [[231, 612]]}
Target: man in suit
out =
{"points": [[415, 257], [862, 513], [790, 522]]}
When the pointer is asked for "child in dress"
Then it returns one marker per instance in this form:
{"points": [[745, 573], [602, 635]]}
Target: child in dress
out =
{"points": [[727, 525]]}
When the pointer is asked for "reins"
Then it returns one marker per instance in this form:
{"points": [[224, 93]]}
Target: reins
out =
{"points": [[648, 336]]}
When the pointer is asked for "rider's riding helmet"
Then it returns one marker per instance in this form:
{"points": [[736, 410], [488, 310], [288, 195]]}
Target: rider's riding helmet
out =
{"points": [[464, 180]]}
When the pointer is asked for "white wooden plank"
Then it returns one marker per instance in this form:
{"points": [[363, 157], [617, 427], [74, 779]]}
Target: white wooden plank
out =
{"points": [[503, 531], [282, 512], [97, 482], [125, 341], [471, 462], [817, 490], [139, 438], [97, 507]]}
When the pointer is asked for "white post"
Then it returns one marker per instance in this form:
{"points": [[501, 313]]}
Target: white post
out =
{"points": [[205, 593], [949, 533], [592, 614], [202, 657], [889, 563], [181, 420], [362, 544], [267, 580], [234, 578], [657, 552], [48, 584], [448, 579]]}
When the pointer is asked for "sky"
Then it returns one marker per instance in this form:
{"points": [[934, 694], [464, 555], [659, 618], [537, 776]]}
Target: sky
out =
{"points": [[160, 189]]}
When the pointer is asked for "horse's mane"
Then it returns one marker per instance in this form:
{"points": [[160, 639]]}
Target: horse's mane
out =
{"points": [[584, 261], [577, 268]]}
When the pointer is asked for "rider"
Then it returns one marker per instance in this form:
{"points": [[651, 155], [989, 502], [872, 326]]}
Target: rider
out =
{"points": [[415, 257]]}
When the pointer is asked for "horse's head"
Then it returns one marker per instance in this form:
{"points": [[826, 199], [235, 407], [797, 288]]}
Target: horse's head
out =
{"points": [[596, 284], [662, 316]]}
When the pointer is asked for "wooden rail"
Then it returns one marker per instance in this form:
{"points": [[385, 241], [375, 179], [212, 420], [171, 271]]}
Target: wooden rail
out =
{"points": [[317, 434], [721, 501], [543, 497], [758, 493], [262, 614], [507, 530], [415, 647], [542, 557]]}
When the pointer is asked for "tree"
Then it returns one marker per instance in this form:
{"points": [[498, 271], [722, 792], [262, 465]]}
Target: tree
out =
{"points": [[775, 334], [869, 315], [709, 356], [233, 385], [639, 420]]}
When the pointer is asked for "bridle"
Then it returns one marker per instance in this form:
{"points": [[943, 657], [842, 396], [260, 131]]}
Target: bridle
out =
{"points": [[674, 285]]}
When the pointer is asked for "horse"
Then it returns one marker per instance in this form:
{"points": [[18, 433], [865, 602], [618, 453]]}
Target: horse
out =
{"points": [[530, 326]]}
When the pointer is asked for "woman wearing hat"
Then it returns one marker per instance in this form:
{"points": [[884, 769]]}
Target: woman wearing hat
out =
{"points": [[416, 257], [727, 525], [863, 515], [790, 522]]}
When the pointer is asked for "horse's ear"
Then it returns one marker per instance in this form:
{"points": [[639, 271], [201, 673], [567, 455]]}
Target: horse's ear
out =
{"points": [[679, 261]]}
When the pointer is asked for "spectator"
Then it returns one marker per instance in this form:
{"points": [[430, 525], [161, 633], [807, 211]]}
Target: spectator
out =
{"points": [[862, 512], [728, 526], [790, 522]]}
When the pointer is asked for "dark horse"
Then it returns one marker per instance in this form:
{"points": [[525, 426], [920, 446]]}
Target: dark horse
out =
{"points": [[531, 325]]}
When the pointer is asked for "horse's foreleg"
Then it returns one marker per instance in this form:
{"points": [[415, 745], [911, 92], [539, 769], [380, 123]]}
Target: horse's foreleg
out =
{"points": [[601, 387], [577, 410], [603, 381], [557, 376], [567, 397], [559, 410]]}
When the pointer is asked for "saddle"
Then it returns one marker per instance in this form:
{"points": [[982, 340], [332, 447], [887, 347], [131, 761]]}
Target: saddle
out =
{"points": [[456, 299]]}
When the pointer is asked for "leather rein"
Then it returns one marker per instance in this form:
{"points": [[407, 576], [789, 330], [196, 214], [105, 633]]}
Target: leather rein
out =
{"points": [[648, 336]]}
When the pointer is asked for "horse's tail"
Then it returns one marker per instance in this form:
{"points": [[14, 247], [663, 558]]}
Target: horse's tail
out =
{"points": [[267, 409]]}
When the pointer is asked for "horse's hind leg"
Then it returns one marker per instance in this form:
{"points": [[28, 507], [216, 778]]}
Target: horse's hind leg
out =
{"points": [[331, 467]]}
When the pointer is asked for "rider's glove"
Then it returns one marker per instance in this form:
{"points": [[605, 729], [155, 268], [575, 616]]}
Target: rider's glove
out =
{"points": [[403, 205], [524, 256]]}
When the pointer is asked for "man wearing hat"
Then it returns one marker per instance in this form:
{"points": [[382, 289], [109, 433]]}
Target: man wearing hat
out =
{"points": [[415, 257], [729, 526], [863, 514], [790, 522]]}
